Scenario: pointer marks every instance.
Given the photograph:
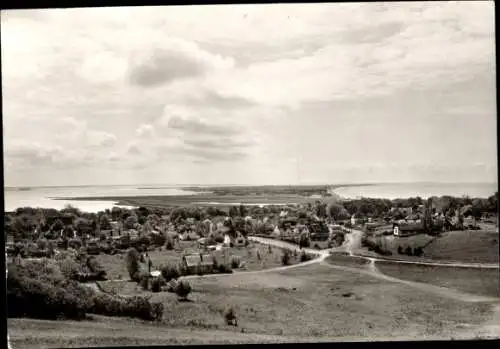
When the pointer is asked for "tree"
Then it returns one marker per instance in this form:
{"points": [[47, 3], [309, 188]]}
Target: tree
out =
{"points": [[243, 211], [183, 289], [304, 240], [105, 222], [337, 212], [285, 258], [82, 226], [133, 267], [130, 222], [24, 226], [116, 213], [233, 212]]}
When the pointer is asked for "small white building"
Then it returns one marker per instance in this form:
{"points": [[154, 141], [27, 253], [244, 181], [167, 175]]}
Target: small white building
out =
{"points": [[353, 219], [227, 240]]}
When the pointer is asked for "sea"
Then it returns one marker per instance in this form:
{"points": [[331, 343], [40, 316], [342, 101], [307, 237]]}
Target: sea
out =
{"points": [[424, 190], [44, 197]]}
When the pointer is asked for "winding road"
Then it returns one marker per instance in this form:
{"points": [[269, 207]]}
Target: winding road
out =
{"points": [[489, 329]]}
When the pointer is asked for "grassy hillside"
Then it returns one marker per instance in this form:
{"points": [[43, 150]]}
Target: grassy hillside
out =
{"points": [[473, 246], [312, 303], [484, 282]]}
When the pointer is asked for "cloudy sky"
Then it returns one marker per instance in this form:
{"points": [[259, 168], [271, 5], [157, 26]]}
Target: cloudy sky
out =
{"points": [[250, 94]]}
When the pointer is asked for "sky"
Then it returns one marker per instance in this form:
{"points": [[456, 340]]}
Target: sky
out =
{"points": [[250, 94]]}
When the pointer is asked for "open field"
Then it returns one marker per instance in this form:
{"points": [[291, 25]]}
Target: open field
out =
{"points": [[473, 246], [314, 302], [468, 246], [344, 259], [270, 257], [485, 282], [201, 200]]}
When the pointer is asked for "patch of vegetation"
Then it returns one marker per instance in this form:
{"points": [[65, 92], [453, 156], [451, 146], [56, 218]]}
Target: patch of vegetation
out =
{"points": [[182, 290], [285, 258], [38, 289], [230, 317]]}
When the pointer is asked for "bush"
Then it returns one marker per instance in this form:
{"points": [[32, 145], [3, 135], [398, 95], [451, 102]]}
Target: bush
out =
{"points": [[39, 290], [235, 262], [230, 317], [409, 251], [285, 258], [157, 283], [400, 250], [418, 251], [75, 243], [304, 257], [225, 268], [42, 298], [316, 246], [144, 281], [170, 272], [183, 289], [304, 241], [69, 267], [132, 260], [170, 244]]}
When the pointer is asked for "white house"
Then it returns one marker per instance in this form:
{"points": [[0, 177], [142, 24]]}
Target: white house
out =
{"points": [[227, 240], [353, 219]]}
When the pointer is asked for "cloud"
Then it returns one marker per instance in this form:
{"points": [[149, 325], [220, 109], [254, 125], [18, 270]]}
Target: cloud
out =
{"points": [[175, 59], [163, 89]]}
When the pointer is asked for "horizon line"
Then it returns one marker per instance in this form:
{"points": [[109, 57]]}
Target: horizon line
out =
{"points": [[247, 185]]}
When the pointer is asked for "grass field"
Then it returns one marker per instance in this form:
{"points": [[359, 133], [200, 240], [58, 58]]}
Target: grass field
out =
{"points": [[115, 265], [313, 302], [468, 246], [473, 246], [345, 260], [200, 200], [485, 282]]}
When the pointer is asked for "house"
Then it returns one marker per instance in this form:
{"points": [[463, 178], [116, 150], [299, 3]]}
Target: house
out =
{"points": [[191, 262], [239, 240], [207, 263], [407, 229], [202, 242], [276, 232]]}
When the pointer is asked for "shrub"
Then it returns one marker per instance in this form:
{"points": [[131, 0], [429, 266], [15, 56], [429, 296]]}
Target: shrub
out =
{"points": [[144, 281], [230, 317], [157, 283], [400, 250], [170, 244], [132, 260], [170, 272], [29, 296], [409, 251], [75, 243], [418, 251], [285, 258], [304, 241], [69, 268], [183, 289], [235, 262], [304, 257], [225, 268], [316, 246]]}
